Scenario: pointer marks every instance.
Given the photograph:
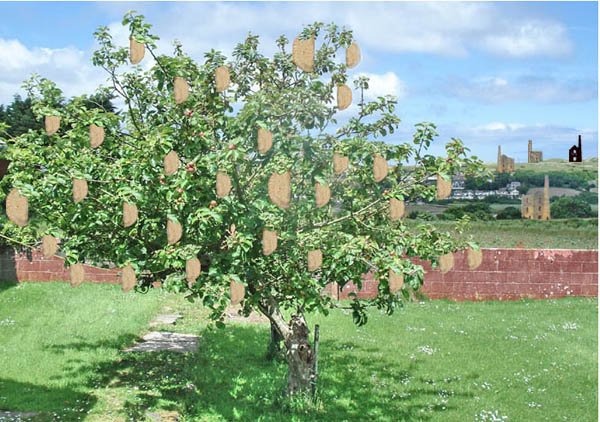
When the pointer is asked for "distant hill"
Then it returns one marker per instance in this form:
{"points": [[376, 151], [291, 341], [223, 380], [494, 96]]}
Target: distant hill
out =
{"points": [[556, 191], [589, 167]]}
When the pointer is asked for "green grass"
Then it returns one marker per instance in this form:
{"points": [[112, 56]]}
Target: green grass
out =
{"points": [[552, 234], [432, 361], [51, 335], [588, 167]]}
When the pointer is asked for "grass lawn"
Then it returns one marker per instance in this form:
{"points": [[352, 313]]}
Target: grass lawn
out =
{"points": [[552, 234], [432, 361]]}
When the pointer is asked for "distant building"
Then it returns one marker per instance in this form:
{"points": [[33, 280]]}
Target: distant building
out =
{"points": [[575, 154], [537, 205], [505, 164], [513, 185], [533, 156]]}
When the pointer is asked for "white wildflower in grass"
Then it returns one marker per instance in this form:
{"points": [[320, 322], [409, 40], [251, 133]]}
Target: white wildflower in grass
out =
{"points": [[491, 416], [414, 329], [427, 350], [534, 405], [570, 326], [7, 322]]}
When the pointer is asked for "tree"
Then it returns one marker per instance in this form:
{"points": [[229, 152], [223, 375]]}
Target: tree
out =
{"points": [[569, 207], [214, 134], [20, 118], [509, 213]]}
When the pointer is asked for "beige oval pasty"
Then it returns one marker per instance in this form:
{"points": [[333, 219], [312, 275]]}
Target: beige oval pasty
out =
{"points": [[128, 280], [136, 51], [446, 262], [222, 78], [396, 281], [17, 208], [174, 231], [265, 140], [76, 273], [315, 259], [96, 135], [279, 189], [380, 168], [192, 270], [340, 163], [181, 90], [223, 184], [130, 214], [171, 163], [352, 55], [269, 242], [303, 53], [52, 124], [344, 97], [396, 209], [474, 258], [80, 190], [237, 291], [322, 194], [49, 246], [444, 188]]}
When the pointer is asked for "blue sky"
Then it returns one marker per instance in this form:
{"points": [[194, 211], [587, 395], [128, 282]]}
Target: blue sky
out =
{"points": [[490, 73]]}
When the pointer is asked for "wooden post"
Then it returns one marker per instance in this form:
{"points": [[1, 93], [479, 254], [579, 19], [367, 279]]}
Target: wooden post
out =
{"points": [[316, 362]]}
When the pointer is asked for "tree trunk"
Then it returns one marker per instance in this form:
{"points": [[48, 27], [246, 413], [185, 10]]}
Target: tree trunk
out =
{"points": [[274, 348], [299, 353], [299, 356]]}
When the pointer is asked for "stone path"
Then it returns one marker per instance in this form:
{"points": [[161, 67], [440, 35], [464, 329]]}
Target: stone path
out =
{"points": [[8, 416], [165, 319], [231, 315], [163, 416], [158, 341]]}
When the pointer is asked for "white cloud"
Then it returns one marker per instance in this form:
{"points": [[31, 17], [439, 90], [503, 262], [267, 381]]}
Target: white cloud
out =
{"points": [[68, 67], [498, 126], [541, 89], [530, 38], [440, 28], [385, 84]]}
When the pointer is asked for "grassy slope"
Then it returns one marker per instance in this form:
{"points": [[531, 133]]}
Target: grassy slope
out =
{"points": [[435, 361], [588, 166], [553, 234]]}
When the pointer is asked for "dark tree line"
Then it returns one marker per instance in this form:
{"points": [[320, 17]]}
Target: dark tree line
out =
{"points": [[529, 179], [19, 116]]}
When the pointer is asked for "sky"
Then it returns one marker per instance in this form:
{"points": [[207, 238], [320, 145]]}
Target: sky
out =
{"points": [[488, 73]]}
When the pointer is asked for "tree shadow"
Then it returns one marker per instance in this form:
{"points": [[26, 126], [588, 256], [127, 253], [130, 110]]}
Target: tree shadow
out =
{"points": [[230, 377], [72, 405], [8, 268]]}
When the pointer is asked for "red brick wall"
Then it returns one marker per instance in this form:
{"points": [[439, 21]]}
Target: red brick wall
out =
{"points": [[32, 266], [504, 274]]}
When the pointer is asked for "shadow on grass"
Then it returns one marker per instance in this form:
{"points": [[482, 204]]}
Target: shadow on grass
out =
{"points": [[230, 379], [71, 405]]}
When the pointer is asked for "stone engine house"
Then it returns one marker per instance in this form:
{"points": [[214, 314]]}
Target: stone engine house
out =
{"points": [[533, 156], [536, 206], [505, 163]]}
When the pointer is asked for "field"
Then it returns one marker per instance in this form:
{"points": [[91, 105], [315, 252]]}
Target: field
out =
{"points": [[431, 361], [552, 234]]}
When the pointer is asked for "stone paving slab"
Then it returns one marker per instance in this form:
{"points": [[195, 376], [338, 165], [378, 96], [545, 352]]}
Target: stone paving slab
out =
{"points": [[158, 341], [8, 416], [163, 416], [165, 319]]}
